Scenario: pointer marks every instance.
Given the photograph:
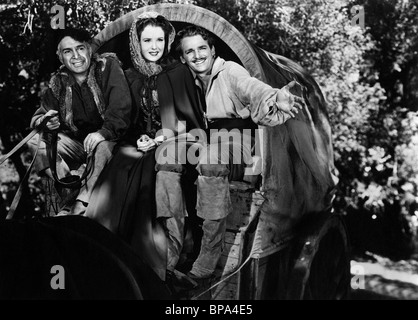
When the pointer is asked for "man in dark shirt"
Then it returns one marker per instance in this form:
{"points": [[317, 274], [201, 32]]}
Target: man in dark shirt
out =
{"points": [[89, 103]]}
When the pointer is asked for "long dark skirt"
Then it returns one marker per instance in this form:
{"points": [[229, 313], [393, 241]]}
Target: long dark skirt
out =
{"points": [[123, 201]]}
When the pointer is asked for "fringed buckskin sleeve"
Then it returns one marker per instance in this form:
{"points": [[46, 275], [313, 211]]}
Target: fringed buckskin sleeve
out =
{"points": [[256, 95]]}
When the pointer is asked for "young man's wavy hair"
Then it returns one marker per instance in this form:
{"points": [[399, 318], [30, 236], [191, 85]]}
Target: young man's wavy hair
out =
{"points": [[191, 31]]}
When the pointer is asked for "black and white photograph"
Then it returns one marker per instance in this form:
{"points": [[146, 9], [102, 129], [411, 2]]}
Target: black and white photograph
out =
{"points": [[208, 154]]}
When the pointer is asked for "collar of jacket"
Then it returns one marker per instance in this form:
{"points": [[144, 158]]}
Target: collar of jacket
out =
{"points": [[218, 66]]}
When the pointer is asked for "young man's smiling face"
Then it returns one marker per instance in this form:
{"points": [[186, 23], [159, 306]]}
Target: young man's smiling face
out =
{"points": [[75, 55], [197, 54]]}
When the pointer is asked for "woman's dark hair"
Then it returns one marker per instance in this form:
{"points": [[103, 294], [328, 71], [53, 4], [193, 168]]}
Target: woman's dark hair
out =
{"points": [[191, 31], [159, 21]]}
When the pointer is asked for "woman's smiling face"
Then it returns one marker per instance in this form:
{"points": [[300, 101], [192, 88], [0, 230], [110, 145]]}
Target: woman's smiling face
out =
{"points": [[152, 43]]}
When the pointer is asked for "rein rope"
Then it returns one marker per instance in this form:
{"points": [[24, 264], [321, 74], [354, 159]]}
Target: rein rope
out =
{"points": [[71, 181]]}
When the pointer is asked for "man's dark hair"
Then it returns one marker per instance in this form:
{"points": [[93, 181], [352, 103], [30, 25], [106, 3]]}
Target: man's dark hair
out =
{"points": [[191, 31], [80, 35]]}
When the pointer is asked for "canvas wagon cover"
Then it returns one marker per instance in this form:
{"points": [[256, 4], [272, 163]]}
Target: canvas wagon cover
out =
{"points": [[298, 165]]}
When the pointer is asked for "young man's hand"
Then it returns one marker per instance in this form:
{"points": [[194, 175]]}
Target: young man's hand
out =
{"points": [[288, 102]]}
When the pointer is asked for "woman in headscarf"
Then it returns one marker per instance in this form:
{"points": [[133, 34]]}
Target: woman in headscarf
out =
{"points": [[123, 199]]}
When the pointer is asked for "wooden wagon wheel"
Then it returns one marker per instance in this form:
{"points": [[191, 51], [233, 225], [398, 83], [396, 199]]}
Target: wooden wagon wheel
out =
{"points": [[322, 270]]}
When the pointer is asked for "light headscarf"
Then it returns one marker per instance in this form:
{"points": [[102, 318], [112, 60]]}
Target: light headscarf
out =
{"points": [[139, 63]]}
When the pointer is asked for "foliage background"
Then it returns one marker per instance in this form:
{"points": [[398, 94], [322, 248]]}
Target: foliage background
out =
{"points": [[368, 75]]}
